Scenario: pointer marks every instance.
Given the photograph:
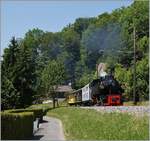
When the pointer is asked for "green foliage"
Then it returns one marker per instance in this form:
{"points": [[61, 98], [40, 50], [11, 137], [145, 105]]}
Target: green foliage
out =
{"points": [[84, 79], [44, 107], [125, 77], [136, 15], [38, 113], [142, 79], [18, 76], [81, 24], [31, 66], [87, 124], [102, 43], [52, 76], [71, 46], [103, 19], [16, 126], [25, 77], [71, 43], [9, 95], [143, 44]]}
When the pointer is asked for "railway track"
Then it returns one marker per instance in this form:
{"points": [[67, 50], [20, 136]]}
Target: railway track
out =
{"points": [[137, 110]]}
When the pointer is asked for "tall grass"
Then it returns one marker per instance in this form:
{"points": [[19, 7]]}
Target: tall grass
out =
{"points": [[92, 125]]}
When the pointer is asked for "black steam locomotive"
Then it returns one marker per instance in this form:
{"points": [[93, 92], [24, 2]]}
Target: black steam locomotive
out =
{"points": [[104, 91]]}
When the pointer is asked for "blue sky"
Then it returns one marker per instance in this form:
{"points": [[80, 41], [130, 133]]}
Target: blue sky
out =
{"points": [[17, 17]]}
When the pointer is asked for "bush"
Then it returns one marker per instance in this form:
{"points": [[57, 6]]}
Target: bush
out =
{"points": [[16, 126], [45, 107], [38, 113], [45, 110]]}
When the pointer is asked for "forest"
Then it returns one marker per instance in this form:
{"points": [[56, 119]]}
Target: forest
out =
{"points": [[33, 65]]}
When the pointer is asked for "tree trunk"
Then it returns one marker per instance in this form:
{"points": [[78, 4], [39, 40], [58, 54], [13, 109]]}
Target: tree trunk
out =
{"points": [[53, 102], [54, 98], [57, 103]]}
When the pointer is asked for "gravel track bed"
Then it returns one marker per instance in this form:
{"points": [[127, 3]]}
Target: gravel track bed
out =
{"points": [[140, 110]]}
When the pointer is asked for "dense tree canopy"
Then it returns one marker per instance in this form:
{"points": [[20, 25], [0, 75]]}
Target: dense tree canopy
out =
{"points": [[32, 64]]}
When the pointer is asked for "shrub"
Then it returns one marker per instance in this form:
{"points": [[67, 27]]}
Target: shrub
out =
{"points": [[16, 126], [38, 113], [45, 110], [45, 107]]}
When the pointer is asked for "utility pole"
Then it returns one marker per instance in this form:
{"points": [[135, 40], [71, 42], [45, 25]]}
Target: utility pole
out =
{"points": [[134, 70]]}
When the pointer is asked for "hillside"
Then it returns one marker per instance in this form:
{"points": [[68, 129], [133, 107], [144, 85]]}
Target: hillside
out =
{"points": [[74, 53]]}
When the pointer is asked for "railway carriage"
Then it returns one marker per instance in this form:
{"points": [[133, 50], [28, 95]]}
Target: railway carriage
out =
{"points": [[75, 98]]}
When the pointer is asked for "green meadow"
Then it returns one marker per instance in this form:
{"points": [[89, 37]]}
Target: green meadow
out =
{"points": [[86, 124]]}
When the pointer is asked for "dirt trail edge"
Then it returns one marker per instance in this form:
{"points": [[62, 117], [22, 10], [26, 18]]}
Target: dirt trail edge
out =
{"points": [[50, 129]]}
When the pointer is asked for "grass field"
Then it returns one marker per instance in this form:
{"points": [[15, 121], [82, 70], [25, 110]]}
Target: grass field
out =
{"points": [[80, 124]]}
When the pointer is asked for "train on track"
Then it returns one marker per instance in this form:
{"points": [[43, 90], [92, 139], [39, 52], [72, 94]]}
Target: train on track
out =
{"points": [[105, 91]]}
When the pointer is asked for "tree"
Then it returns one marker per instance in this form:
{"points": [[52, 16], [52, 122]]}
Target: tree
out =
{"points": [[18, 76], [9, 94], [103, 19], [71, 48], [125, 78], [104, 39], [52, 76], [79, 46], [142, 77], [81, 24], [25, 76], [86, 78]]}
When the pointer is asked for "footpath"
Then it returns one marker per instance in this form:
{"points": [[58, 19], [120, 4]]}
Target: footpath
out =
{"points": [[50, 130]]}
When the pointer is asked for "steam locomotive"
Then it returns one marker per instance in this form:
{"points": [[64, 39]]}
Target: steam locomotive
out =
{"points": [[105, 91]]}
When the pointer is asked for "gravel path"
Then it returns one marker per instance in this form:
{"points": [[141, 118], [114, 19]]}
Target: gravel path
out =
{"points": [[140, 110], [50, 130]]}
